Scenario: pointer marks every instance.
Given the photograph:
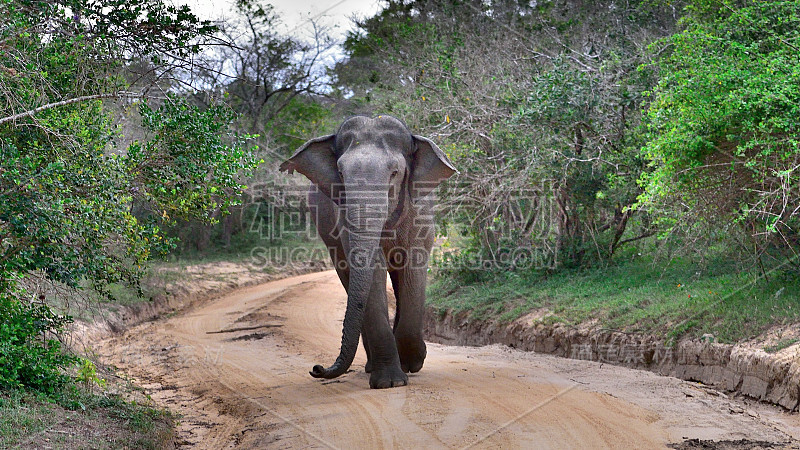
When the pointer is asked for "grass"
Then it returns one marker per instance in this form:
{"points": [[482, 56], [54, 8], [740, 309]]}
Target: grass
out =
{"points": [[780, 345], [243, 248], [78, 419], [263, 255], [87, 305], [633, 296]]}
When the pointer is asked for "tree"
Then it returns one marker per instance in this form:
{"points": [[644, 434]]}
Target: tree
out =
{"points": [[276, 85], [67, 187], [538, 105], [724, 124], [260, 70]]}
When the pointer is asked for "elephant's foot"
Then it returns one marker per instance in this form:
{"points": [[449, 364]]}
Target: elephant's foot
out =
{"points": [[412, 355], [368, 366], [387, 377]]}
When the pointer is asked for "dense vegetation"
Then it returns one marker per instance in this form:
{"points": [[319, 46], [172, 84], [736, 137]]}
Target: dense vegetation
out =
{"points": [[81, 205], [615, 149], [723, 127], [595, 140], [584, 127]]}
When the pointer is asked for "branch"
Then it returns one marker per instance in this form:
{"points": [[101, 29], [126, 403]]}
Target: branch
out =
{"points": [[641, 236], [67, 102]]}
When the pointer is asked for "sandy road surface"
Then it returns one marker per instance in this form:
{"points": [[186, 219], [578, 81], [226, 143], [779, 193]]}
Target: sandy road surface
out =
{"points": [[236, 368]]}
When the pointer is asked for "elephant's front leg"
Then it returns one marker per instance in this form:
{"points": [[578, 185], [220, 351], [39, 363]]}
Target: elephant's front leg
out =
{"points": [[383, 358], [409, 284], [365, 342]]}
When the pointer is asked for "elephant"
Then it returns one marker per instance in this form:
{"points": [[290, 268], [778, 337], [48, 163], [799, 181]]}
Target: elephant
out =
{"points": [[372, 205]]}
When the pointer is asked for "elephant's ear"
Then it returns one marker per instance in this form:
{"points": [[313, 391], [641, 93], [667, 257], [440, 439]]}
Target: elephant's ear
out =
{"points": [[429, 167], [317, 161]]}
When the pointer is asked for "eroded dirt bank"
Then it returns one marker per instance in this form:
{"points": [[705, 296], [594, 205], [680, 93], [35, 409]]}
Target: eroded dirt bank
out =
{"points": [[237, 369], [192, 284], [773, 378]]}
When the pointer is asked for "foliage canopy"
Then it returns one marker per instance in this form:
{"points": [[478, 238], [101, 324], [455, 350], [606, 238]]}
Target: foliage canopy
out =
{"points": [[724, 123], [77, 206]]}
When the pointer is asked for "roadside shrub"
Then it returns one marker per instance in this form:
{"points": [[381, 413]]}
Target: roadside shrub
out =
{"points": [[30, 354]]}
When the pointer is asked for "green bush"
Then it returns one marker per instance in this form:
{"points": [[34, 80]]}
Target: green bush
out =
{"points": [[30, 356], [724, 122]]}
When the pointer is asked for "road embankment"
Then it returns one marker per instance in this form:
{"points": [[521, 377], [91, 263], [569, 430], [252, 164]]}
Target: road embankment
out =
{"points": [[189, 285], [741, 369]]}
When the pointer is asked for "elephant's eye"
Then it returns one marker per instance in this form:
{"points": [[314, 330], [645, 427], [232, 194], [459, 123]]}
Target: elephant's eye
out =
{"points": [[394, 173]]}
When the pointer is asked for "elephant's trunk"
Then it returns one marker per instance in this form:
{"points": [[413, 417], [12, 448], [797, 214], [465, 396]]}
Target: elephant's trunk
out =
{"points": [[365, 221]]}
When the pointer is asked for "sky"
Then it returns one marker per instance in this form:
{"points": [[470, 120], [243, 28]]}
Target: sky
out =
{"points": [[296, 13]]}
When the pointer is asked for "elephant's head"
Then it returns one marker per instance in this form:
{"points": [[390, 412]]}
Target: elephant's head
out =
{"points": [[374, 169]]}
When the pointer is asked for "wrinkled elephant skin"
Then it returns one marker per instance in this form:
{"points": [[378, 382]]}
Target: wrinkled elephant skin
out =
{"points": [[372, 203]]}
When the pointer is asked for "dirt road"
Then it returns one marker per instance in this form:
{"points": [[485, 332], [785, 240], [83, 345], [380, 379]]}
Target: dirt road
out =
{"points": [[237, 367]]}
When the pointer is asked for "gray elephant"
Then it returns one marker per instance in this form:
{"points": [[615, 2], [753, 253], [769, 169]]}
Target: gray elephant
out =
{"points": [[372, 208]]}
